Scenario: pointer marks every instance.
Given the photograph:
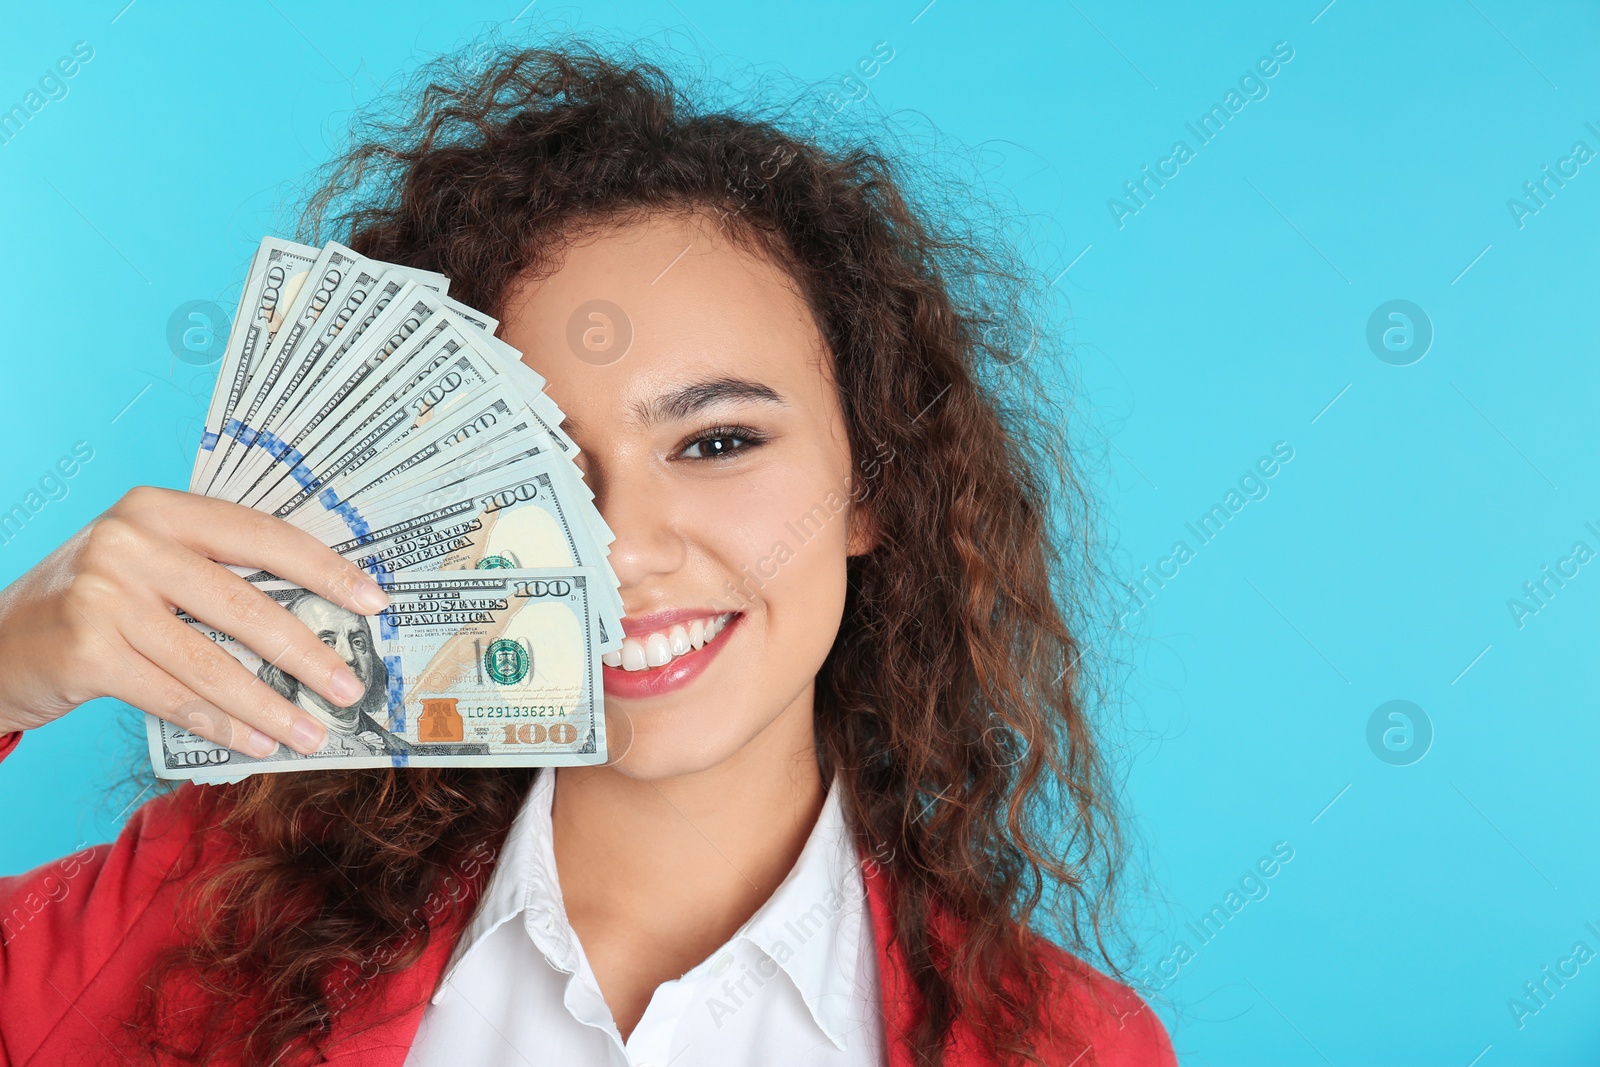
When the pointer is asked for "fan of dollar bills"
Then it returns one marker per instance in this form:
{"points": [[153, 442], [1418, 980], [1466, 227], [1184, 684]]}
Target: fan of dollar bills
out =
{"points": [[357, 401]]}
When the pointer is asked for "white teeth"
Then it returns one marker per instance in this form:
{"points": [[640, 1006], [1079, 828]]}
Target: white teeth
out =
{"points": [[679, 638], [659, 648], [656, 650]]}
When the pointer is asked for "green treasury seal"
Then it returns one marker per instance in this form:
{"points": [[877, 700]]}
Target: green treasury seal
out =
{"points": [[506, 661]]}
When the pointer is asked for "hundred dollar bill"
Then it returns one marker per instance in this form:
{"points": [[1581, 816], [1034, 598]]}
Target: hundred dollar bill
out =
{"points": [[484, 322], [276, 274], [471, 514], [361, 368], [340, 279], [516, 520], [531, 385], [373, 362], [437, 374], [474, 668], [492, 480], [299, 418], [283, 429], [281, 388], [332, 266], [491, 360], [481, 472], [425, 369]]}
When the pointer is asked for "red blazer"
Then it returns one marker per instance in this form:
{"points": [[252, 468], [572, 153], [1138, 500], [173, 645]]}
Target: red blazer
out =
{"points": [[78, 935]]}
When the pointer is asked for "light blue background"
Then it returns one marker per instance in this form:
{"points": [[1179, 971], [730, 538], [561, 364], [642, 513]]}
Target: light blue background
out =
{"points": [[1225, 316]]}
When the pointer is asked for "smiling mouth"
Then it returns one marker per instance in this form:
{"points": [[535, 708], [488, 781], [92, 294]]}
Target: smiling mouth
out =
{"points": [[647, 652]]}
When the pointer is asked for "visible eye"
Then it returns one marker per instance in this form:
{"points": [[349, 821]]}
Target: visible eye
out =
{"points": [[721, 442]]}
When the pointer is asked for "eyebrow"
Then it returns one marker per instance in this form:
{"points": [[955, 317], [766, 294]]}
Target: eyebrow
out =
{"points": [[684, 401]]}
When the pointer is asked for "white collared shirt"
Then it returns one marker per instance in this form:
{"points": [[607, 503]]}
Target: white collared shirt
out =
{"points": [[796, 984]]}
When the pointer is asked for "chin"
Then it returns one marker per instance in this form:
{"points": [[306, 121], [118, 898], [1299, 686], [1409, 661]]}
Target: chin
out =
{"points": [[663, 750], [659, 745]]}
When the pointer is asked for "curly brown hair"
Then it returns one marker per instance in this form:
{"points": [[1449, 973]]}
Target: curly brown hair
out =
{"points": [[953, 704]]}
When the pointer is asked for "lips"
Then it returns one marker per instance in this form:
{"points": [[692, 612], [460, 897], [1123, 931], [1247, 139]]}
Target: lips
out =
{"points": [[644, 649], [662, 634]]}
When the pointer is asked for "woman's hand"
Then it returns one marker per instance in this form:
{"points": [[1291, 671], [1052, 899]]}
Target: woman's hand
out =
{"points": [[97, 618]]}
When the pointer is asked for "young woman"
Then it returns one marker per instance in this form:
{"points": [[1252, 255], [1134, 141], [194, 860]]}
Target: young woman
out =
{"points": [[838, 833]]}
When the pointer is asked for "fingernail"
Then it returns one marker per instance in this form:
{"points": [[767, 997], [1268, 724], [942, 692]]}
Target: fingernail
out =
{"points": [[259, 744], [307, 736], [345, 686], [368, 596]]}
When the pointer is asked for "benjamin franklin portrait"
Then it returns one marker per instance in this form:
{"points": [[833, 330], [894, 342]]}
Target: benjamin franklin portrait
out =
{"points": [[358, 729]]}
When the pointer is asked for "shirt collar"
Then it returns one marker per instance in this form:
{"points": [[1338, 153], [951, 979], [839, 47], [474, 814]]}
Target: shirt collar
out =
{"points": [[811, 926], [502, 899], [813, 923]]}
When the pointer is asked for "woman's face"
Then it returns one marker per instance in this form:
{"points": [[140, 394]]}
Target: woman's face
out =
{"points": [[701, 394]]}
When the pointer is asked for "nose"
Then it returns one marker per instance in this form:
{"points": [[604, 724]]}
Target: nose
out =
{"points": [[641, 510]]}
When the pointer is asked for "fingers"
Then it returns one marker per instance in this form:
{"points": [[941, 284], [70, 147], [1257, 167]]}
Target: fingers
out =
{"points": [[221, 599], [232, 533], [216, 677], [144, 685]]}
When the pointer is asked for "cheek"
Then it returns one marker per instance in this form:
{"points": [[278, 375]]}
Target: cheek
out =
{"points": [[779, 537]]}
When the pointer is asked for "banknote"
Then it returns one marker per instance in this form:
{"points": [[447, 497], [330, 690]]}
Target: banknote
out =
{"points": [[493, 486], [293, 372], [276, 275], [358, 359], [332, 265], [524, 517], [359, 402], [402, 393], [468, 668], [283, 428]]}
